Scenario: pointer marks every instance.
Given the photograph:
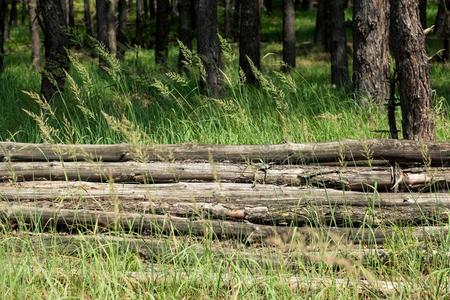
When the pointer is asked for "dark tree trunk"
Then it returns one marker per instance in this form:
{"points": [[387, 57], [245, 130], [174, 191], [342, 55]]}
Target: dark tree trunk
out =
{"points": [[3, 21], [423, 13], [269, 6], [71, 14], [288, 34], [65, 10], [306, 5], [236, 19], [152, 9], [56, 41], [13, 16], [139, 22], [228, 18], [408, 44], [322, 31], [87, 18], [122, 36], [339, 61], [249, 39], [162, 32], [186, 11], [371, 49], [35, 40], [442, 27], [24, 12], [106, 32], [146, 9], [208, 46]]}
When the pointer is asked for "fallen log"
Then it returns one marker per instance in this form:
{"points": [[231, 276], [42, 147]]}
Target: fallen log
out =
{"points": [[154, 225], [400, 151], [348, 178], [259, 204]]}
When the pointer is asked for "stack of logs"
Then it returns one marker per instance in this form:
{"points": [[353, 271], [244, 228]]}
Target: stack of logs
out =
{"points": [[248, 192]]}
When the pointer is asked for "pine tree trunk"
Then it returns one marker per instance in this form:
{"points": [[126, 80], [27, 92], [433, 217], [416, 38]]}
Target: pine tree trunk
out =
{"points": [[122, 29], [408, 44], [65, 10], [162, 32], [249, 39], [139, 21], [339, 61], [288, 34], [56, 41], [106, 32], [71, 14], [371, 49], [13, 14], [322, 31], [208, 46], [236, 19], [35, 40], [423, 13], [442, 27], [186, 11], [3, 17], [228, 18], [87, 18]]}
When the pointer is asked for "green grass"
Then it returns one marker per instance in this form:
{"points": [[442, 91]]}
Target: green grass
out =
{"points": [[150, 105]]}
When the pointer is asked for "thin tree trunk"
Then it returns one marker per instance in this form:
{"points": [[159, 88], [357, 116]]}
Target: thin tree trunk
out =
{"points": [[249, 39], [339, 61], [371, 49], [186, 10], [56, 41], [87, 18], [423, 13], [228, 18], [208, 46], [71, 12], [3, 21], [162, 32], [139, 21], [35, 40], [24, 12], [13, 16], [288, 34], [408, 43], [122, 29], [322, 31]]}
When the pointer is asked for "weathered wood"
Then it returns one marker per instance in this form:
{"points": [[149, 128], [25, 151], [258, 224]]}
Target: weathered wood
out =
{"points": [[259, 204], [347, 178], [64, 220], [350, 150]]}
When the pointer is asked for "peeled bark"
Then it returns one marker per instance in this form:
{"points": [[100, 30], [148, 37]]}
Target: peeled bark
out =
{"points": [[122, 36], [208, 46], [186, 11], [249, 39], [408, 44], [339, 61], [56, 41], [87, 18], [371, 49], [162, 32], [3, 17], [35, 40], [322, 32], [288, 34]]}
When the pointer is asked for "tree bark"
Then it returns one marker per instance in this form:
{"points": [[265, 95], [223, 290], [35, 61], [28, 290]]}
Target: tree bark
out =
{"points": [[56, 41], [236, 19], [24, 12], [208, 46], [408, 43], [139, 22], [162, 32], [71, 14], [288, 35], [371, 49], [35, 39], [423, 13], [322, 33], [186, 11], [442, 27], [3, 21], [13, 16], [228, 25], [152, 9], [122, 36], [339, 61], [87, 18], [249, 39], [106, 31], [65, 10], [146, 9]]}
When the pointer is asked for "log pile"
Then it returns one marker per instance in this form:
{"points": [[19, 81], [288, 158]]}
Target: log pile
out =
{"points": [[248, 192]]}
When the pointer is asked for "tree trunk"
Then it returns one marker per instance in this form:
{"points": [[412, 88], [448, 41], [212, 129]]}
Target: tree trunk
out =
{"points": [[249, 39], [87, 18], [106, 31], [371, 49], [162, 32], [288, 35], [3, 21], [152, 9], [236, 19], [339, 61], [423, 13], [122, 36], [208, 46], [35, 40], [268, 4], [442, 27], [24, 12], [56, 41], [139, 22], [186, 9], [228, 26], [322, 32], [408, 43], [307, 5], [71, 12], [13, 17], [65, 9], [146, 9]]}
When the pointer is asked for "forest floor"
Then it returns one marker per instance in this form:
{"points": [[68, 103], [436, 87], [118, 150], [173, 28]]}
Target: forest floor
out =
{"points": [[136, 102]]}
